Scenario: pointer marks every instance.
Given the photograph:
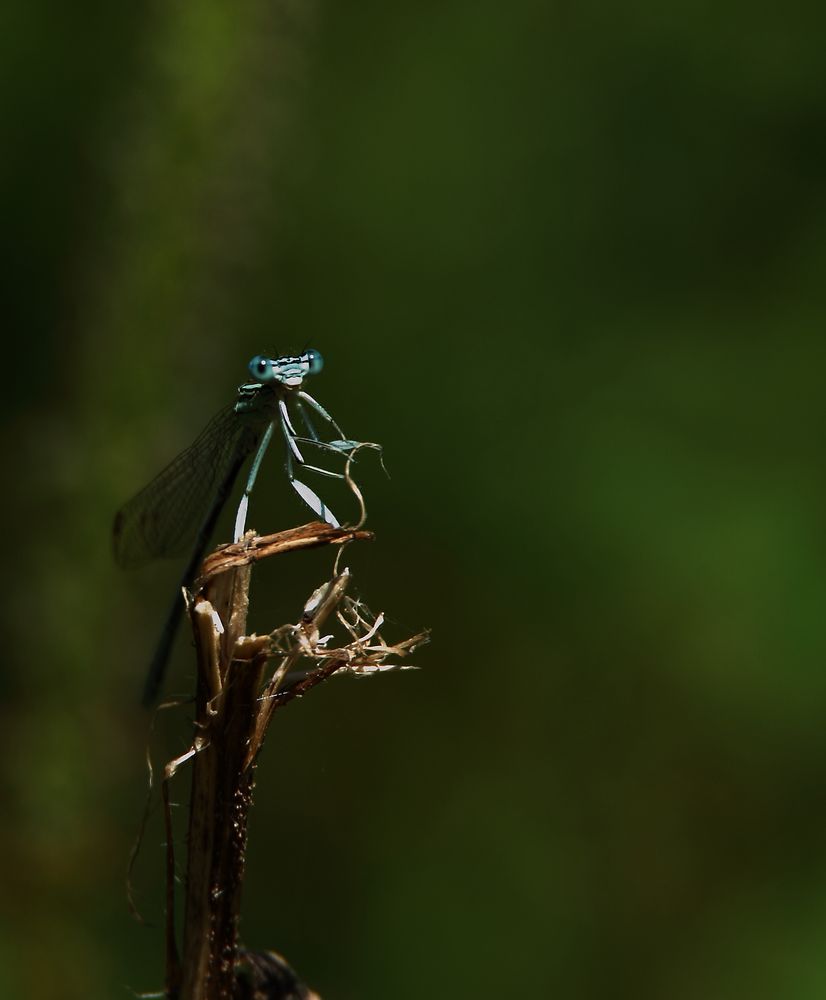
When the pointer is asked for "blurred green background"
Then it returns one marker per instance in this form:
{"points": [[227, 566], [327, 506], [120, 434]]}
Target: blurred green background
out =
{"points": [[566, 264]]}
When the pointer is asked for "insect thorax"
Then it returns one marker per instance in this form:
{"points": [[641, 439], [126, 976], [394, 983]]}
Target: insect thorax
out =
{"points": [[256, 398]]}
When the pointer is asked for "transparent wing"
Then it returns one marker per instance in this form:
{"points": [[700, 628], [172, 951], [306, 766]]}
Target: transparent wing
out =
{"points": [[164, 518]]}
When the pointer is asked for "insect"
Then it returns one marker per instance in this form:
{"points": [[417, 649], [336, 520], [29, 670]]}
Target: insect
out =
{"points": [[178, 510]]}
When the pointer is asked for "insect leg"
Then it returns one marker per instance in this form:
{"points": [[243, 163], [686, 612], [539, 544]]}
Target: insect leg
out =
{"points": [[310, 497], [320, 409], [302, 411], [241, 515]]}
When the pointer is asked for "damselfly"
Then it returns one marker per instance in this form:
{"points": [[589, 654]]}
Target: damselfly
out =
{"points": [[180, 507]]}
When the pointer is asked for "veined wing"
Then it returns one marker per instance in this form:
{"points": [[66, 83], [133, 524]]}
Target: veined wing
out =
{"points": [[164, 518]]}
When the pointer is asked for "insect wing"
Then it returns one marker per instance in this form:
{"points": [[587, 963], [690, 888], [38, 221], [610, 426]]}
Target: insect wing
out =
{"points": [[164, 518]]}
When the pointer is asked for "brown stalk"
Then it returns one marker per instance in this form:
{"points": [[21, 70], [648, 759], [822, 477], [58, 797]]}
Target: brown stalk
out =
{"points": [[230, 726], [234, 706]]}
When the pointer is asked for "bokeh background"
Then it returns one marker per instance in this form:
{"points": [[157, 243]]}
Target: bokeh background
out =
{"points": [[566, 263]]}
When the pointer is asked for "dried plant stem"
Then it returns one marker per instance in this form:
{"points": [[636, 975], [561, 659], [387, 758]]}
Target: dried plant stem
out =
{"points": [[230, 725]]}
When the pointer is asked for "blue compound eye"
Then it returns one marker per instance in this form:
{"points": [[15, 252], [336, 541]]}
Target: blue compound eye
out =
{"points": [[315, 362], [261, 368]]}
